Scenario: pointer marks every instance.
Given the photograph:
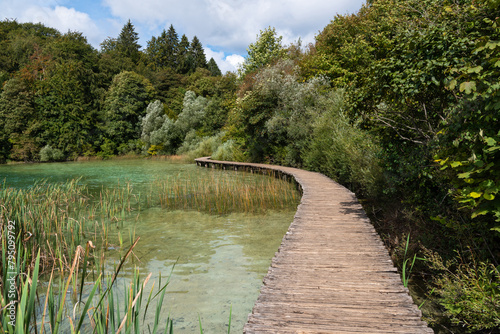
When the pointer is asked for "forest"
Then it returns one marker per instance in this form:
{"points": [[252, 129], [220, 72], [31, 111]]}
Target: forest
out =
{"points": [[399, 102]]}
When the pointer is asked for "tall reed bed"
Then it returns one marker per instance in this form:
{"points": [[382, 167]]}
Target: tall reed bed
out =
{"points": [[99, 311], [224, 192], [57, 218]]}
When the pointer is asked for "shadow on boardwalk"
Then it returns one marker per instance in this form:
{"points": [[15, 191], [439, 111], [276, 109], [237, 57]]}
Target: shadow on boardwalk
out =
{"points": [[352, 208], [332, 273]]}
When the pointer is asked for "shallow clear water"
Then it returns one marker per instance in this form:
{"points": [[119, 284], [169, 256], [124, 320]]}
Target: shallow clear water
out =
{"points": [[219, 260]]}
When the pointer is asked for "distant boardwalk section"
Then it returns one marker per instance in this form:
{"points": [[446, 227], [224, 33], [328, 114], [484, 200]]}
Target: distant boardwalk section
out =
{"points": [[332, 273]]}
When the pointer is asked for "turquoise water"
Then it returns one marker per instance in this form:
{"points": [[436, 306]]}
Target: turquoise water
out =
{"points": [[219, 260]]}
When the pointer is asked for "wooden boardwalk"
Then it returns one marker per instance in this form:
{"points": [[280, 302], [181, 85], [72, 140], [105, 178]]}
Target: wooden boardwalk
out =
{"points": [[332, 273]]}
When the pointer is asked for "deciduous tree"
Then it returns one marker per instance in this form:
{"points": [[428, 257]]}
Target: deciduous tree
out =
{"points": [[266, 49]]}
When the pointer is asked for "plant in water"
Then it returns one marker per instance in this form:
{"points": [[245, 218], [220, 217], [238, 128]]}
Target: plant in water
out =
{"points": [[224, 192], [57, 218], [407, 269], [65, 227], [100, 313]]}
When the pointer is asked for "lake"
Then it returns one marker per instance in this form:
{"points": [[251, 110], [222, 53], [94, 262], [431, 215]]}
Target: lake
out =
{"points": [[220, 259]]}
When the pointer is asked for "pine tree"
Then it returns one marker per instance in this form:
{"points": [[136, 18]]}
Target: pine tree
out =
{"points": [[171, 50], [152, 53], [213, 68], [184, 63], [161, 50], [197, 54], [127, 42]]}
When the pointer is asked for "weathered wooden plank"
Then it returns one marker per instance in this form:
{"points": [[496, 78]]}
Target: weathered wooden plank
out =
{"points": [[332, 273]]}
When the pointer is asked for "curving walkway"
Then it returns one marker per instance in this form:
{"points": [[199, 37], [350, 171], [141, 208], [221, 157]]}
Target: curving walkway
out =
{"points": [[332, 273]]}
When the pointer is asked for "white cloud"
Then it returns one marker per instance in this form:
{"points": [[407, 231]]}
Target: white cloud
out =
{"points": [[63, 19], [234, 24], [58, 17], [235, 60], [228, 25], [226, 63]]}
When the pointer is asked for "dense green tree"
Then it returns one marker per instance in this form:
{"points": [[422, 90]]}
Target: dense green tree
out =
{"points": [[197, 54], [159, 53], [16, 115], [152, 53], [163, 51], [66, 101], [171, 51], [125, 102], [72, 46], [184, 58], [213, 68], [127, 42], [18, 42], [266, 49], [222, 101], [112, 61], [109, 45], [169, 87]]}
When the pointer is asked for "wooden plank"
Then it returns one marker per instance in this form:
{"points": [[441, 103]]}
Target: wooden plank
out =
{"points": [[332, 273]]}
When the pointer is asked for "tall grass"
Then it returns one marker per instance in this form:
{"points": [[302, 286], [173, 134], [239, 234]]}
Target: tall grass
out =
{"points": [[224, 192], [57, 218], [102, 311]]}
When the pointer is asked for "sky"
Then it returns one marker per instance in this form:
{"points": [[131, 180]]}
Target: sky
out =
{"points": [[224, 27]]}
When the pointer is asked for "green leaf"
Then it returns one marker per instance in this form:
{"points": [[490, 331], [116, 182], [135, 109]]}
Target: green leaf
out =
{"points": [[475, 194], [476, 69], [489, 197], [496, 228], [494, 148], [452, 84], [479, 163], [468, 87], [455, 164], [464, 175], [479, 213], [490, 141]]}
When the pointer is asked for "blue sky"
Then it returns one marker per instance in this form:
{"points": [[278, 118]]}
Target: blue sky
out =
{"points": [[225, 27]]}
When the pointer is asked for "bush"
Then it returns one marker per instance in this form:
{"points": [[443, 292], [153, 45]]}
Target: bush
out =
{"points": [[108, 149], [47, 153], [342, 151], [196, 147], [469, 291], [228, 151]]}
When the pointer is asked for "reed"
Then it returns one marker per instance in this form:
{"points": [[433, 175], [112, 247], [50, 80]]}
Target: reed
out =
{"points": [[101, 312], [57, 218], [224, 192]]}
